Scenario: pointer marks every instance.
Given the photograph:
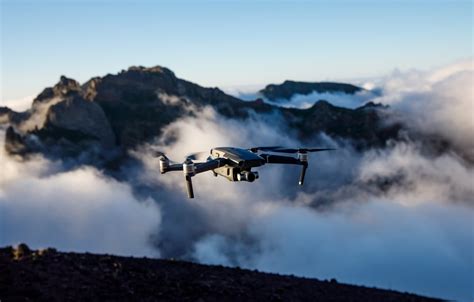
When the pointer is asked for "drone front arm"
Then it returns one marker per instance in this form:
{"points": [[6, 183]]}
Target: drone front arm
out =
{"points": [[170, 168], [210, 165], [191, 169]]}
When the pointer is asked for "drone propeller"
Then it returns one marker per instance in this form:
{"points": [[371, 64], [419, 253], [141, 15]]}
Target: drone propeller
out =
{"points": [[157, 153], [266, 148], [300, 150], [196, 155]]}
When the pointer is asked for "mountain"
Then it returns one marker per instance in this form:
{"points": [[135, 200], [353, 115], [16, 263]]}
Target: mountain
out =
{"points": [[125, 110], [287, 89], [49, 275]]}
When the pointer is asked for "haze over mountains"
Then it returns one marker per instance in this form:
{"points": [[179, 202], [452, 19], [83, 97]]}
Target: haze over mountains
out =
{"points": [[399, 184]]}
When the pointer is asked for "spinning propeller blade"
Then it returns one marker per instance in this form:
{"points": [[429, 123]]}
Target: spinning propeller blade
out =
{"points": [[266, 148], [196, 155], [300, 150], [157, 153]]}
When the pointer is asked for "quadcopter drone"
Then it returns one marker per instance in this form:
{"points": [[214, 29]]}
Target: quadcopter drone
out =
{"points": [[236, 164]]}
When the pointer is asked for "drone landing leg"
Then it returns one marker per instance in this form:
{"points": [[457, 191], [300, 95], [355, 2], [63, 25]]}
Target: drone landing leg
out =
{"points": [[303, 173], [189, 186]]}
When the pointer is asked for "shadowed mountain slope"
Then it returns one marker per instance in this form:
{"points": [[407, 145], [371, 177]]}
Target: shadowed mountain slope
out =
{"points": [[48, 275]]}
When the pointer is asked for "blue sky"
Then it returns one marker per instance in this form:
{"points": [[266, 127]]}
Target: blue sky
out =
{"points": [[226, 43]]}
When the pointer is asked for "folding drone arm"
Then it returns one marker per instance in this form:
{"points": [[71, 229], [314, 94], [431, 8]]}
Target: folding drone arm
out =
{"points": [[278, 159], [209, 165], [190, 169], [197, 168], [165, 166]]}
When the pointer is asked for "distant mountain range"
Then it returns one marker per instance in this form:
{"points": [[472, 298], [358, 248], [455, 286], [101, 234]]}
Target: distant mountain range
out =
{"points": [[288, 89], [124, 110]]}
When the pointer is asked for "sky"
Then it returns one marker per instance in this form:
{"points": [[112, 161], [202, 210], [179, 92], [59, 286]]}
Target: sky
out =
{"points": [[227, 43]]}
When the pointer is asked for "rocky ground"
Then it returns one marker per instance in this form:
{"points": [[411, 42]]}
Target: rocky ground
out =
{"points": [[49, 275]]}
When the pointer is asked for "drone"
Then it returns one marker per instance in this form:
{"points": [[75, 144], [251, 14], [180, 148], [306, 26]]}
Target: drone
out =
{"points": [[236, 164]]}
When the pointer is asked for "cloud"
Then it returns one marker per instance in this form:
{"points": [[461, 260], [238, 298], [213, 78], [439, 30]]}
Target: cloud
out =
{"points": [[303, 101], [379, 243], [396, 217], [21, 104], [78, 210], [413, 234], [244, 92], [337, 99], [439, 102]]}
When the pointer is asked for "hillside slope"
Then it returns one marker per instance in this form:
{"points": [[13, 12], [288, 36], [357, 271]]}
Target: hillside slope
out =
{"points": [[48, 275]]}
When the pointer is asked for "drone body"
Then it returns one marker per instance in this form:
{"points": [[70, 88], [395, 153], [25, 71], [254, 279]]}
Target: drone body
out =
{"points": [[236, 164]]}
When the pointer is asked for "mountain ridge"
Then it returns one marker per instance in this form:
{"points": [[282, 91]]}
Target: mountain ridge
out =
{"points": [[289, 88], [132, 107], [49, 275]]}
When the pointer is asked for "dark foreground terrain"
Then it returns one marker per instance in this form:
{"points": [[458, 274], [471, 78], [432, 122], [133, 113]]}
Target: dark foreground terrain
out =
{"points": [[48, 275]]}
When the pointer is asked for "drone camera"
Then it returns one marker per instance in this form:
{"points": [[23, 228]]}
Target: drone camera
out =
{"points": [[247, 176]]}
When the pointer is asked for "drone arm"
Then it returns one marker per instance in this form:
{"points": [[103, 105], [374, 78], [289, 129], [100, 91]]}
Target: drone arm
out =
{"points": [[173, 167], [198, 168], [278, 159], [210, 165]]}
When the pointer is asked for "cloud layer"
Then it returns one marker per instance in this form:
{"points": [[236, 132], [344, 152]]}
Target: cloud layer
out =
{"points": [[396, 217], [78, 210]]}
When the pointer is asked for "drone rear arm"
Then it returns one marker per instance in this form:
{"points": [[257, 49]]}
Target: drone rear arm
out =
{"points": [[278, 159]]}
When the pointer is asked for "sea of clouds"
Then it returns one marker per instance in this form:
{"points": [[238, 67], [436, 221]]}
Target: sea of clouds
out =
{"points": [[413, 234]]}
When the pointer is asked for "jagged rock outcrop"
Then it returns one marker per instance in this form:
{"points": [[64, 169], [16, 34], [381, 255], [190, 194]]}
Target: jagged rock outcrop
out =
{"points": [[14, 142], [8, 116], [5, 115], [84, 117], [362, 125], [287, 89], [65, 87], [136, 101]]}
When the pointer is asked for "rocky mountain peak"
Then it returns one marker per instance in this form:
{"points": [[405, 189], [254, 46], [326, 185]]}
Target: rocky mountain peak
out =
{"points": [[65, 87], [155, 69], [322, 105], [89, 89], [81, 119]]}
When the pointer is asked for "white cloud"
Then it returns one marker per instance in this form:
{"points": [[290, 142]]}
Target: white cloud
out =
{"points": [[21, 104], [412, 236], [377, 243], [78, 210], [436, 102]]}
